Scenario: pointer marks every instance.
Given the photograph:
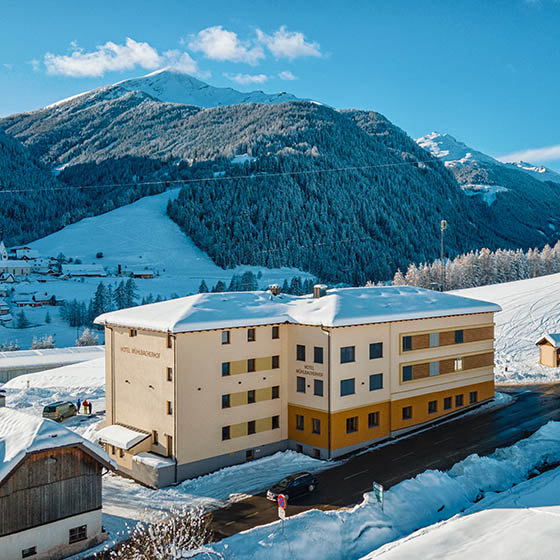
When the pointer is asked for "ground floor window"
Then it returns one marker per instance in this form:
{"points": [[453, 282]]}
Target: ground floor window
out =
{"points": [[317, 453], [373, 419], [432, 407], [299, 422], [446, 403], [225, 433], [249, 455], [299, 448], [458, 400], [251, 427], [275, 422], [407, 412], [316, 425], [27, 552], [351, 425], [473, 397], [77, 534]]}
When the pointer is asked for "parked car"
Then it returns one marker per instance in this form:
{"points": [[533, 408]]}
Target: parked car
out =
{"points": [[293, 486], [58, 411]]}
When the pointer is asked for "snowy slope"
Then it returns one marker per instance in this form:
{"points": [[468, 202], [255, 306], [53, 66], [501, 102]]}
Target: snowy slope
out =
{"points": [[539, 172], [171, 86], [530, 309]]}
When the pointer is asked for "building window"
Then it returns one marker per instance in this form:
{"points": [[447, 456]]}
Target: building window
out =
{"points": [[318, 387], [27, 552], [432, 407], [473, 397], [375, 350], [351, 425], [446, 403], [121, 453], [114, 449], [225, 369], [300, 352], [225, 433], [458, 400], [373, 419], [251, 364], [169, 407], [434, 339], [299, 422], [376, 381], [275, 332], [275, 362], [407, 412], [406, 343], [347, 387], [251, 335], [251, 427], [299, 448], [251, 396], [434, 369], [249, 454], [275, 422], [155, 439], [458, 364], [459, 336], [407, 373], [300, 388], [316, 453], [226, 403], [318, 354], [315, 425], [225, 337], [276, 392], [77, 534], [133, 332], [347, 354], [169, 374], [169, 341]]}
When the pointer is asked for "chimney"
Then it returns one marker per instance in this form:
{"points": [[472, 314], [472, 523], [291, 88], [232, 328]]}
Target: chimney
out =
{"points": [[319, 290], [274, 289]]}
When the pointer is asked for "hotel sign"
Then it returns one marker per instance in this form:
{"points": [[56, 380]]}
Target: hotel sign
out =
{"points": [[309, 370], [139, 352]]}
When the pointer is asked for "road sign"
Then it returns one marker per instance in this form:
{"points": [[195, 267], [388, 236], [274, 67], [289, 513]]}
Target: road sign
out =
{"points": [[281, 501], [378, 491], [281, 513]]}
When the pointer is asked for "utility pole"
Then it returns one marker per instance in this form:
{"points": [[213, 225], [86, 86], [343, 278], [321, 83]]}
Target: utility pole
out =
{"points": [[443, 227]]}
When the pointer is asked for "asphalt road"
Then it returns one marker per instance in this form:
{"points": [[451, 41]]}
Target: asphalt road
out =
{"points": [[439, 447]]}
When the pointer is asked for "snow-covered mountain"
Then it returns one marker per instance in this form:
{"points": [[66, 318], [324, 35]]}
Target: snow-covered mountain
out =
{"points": [[456, 154], [171, 86]]}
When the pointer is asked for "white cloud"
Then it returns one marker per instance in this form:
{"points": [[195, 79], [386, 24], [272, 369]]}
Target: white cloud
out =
{"points": [[286, 75], [288, 44], [245, 79], [220, 44], [534, 155], [112, 57], [7, 66], [35, 64], [106, 58]]}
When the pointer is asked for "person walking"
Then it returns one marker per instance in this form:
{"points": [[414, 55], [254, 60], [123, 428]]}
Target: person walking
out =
{"points": [[79, 404], [85, 403]]}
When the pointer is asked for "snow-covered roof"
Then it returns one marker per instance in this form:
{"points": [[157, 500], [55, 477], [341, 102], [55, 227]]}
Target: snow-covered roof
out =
{"points": [[119, 436], [553, 338], [49, 356], [14, 264], [22, 433], [338, 308], [84, 269]]}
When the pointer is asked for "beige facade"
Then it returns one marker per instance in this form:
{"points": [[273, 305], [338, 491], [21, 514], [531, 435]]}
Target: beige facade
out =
{"points": [[216, 397]]}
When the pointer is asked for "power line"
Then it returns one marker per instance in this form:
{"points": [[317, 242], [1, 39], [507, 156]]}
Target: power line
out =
{"points": [[260, 175]]}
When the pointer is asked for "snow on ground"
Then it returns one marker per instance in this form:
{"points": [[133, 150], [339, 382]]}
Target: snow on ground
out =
{"points": [[429, 498], [521, 523], [530, 309], [487, 192], [139, 236]]}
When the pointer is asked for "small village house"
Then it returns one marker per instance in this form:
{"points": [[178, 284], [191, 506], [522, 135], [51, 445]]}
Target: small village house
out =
{"points": [[50, 489], [549, 346]]}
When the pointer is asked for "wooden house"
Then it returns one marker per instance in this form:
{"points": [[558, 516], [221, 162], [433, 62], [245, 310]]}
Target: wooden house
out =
{"points": [[549, 346], [50, 489]]}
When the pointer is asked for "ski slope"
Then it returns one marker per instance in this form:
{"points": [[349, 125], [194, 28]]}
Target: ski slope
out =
{"points": [[530, 309]]}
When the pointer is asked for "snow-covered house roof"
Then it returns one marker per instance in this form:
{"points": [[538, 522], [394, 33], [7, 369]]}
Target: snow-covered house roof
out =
{"points": [[120, 436], [552, 338], [84, 270], [22, 434], [338, 308]]}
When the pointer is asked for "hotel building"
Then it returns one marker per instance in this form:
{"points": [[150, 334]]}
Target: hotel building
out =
{"points": [[210, 380]]}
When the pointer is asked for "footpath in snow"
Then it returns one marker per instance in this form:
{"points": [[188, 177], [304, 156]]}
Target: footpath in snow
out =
{"points": [[431, 497]]}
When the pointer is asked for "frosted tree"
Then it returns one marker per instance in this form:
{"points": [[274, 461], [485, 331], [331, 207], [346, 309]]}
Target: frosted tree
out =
{"points": [[21, 320], [87, 338], [45, 341]]}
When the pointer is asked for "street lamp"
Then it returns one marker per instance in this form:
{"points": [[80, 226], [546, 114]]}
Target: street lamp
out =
{"points": [[443, 227]]}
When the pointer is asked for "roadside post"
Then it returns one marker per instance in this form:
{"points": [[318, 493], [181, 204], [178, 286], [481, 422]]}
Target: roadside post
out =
{"points": [[378, 491], [282, 503]]}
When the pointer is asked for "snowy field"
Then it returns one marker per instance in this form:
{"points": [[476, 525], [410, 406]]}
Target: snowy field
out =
{"points": [[139, 236], [531, 309]]}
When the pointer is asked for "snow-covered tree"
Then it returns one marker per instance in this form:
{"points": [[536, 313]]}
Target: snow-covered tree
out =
{"points": [[21, 320], [87, 338], [46, 341], [203, 288]]}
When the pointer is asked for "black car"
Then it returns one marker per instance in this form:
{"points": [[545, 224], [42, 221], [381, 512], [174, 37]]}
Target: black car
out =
{"points": [[293, 486]]}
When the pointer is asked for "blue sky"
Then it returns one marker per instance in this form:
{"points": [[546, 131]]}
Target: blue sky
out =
{"points": [[487, 72]]}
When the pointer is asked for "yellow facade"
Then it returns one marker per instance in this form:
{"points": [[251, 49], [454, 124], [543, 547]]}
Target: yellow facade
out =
{"points": [[205, 410]]}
